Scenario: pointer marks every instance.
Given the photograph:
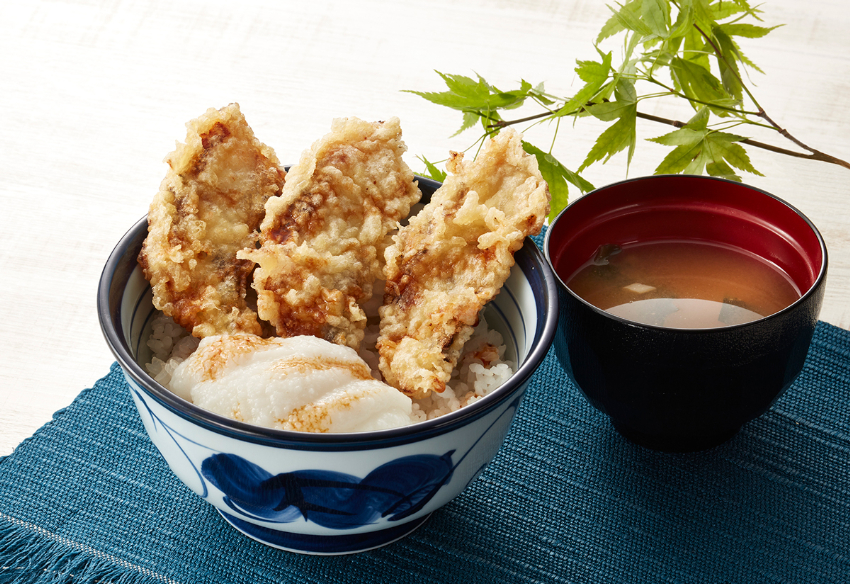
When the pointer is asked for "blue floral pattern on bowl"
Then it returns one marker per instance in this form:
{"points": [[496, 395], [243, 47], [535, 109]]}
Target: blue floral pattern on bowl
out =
{"points": [[336, 500]]}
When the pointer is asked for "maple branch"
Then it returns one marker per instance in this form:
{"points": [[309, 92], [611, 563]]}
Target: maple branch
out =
{"points": [[814, 154], [499, 124], [763, 114]]}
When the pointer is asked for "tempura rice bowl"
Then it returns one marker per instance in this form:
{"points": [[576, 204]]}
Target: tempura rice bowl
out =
{"points": [[327, 493]]}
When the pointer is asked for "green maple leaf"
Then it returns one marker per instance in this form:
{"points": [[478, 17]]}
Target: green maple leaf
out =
{"points": [[466, 87], [655, 14], [683, 137], [728, 31], [464, 93], [622, 134], [749, 31], [695, 50], [556, 176], [431, 171], [608, 111], [687, 144], [697, 82], [724, 146], [468, 95], [697, 165], [614, 139], [678, 159], [744, 58], [725, 9], [516, 97], [721, 170], [703, 14], [727, 61], [684, 21], [629, 17], [594, 74], [697, 149], [539, 93], [614, 25], [469, 120], [671, 44], [478, 100]]}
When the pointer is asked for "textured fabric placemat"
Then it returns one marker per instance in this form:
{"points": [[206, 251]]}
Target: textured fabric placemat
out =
{"points": [[88, 498]]}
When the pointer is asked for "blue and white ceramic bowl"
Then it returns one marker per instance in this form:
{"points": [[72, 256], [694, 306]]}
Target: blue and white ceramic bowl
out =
{"points": [[326, 493]]}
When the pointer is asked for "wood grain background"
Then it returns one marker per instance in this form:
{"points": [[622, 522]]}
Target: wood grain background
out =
{"points": [[95, 94]]}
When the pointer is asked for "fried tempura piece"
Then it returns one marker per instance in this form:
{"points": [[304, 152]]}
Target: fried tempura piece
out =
{"points": [[209, 206], [452, 258], [324, 237]]}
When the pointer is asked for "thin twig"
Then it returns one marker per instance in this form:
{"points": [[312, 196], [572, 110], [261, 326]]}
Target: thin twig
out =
{"points": [[499, 124]]}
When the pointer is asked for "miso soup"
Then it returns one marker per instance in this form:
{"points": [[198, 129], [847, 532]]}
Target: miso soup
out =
{"points": [[683, 284]]}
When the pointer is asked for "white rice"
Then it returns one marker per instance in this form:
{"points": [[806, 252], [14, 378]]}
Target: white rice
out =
{"points": [[170, 344], [482, 367]]}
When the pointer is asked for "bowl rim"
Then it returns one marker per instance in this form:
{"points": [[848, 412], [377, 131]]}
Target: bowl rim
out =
{"points": [[813, 289], [544, 335]]}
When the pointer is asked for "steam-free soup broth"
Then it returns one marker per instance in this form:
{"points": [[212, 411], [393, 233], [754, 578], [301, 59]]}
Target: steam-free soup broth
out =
{"points": [[683, 284]]}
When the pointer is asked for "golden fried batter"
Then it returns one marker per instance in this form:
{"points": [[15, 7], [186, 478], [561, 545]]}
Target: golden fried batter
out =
{"points": [[452, 258], [324, 237], [209, 206]]}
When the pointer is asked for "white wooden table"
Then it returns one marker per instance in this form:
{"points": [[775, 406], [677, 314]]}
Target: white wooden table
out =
{"points": [[94, 94]]}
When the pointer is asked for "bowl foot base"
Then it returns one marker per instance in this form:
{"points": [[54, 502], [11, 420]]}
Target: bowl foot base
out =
{"points": [[323, 545], [674, 443]]}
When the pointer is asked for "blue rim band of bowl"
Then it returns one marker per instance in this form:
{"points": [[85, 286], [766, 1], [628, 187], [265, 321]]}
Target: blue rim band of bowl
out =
{"points": [[546, 305], [333, 545], [821, 274]]}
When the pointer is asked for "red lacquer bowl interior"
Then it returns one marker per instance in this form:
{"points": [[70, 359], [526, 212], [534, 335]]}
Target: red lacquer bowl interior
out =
{"points": [[688, 207]]}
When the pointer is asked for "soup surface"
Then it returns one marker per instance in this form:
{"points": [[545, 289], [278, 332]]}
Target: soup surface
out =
{"points": [[683, 284]]}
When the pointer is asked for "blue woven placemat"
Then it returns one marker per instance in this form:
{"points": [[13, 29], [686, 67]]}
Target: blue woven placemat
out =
{"points": [[89, 499]]}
